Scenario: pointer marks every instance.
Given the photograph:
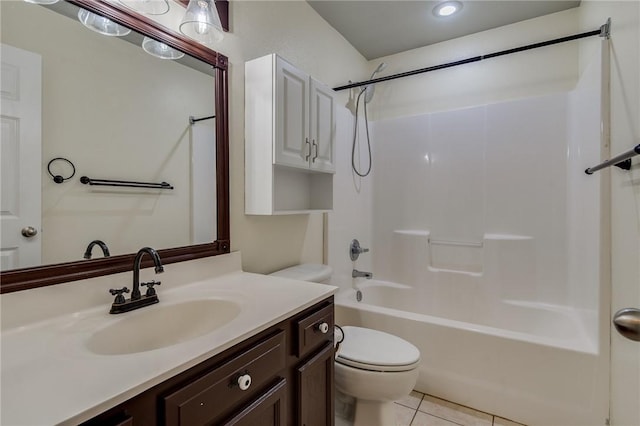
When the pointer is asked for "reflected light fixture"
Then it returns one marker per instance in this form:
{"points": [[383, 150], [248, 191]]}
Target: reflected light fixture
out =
{"points": [[42, 1], [148, 7], [160, 50], [201, 22], [101, 25], [447, 8]]}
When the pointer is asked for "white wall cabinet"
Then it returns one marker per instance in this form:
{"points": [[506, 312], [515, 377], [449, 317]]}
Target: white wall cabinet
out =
{"points": [[289, 139]]}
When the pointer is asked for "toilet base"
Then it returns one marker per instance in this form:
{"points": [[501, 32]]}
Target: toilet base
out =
{"points": [[374, 413]]}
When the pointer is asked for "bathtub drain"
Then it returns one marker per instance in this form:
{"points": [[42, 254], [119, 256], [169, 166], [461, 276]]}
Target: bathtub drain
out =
{"points": [[359, 296]]}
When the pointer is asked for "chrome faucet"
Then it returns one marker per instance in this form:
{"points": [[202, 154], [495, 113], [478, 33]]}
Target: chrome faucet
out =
{"points": [[99, 243], [120, 304], [360, 274]]}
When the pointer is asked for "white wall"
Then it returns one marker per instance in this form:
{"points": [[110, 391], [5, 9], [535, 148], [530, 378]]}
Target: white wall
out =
{"points": [[625, 191], [297, 33], [531, 73]]}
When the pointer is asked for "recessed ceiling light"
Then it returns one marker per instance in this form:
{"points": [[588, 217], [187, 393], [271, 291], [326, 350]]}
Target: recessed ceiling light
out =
{"points": [[447, 8]]}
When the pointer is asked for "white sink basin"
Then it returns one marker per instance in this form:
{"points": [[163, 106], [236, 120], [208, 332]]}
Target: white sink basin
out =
{"points": [[159, 326]]}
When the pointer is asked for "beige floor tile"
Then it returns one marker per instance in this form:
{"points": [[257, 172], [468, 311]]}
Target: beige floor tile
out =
{"points": [[404, 415], [455, 413], [424, 419], [412, 400], [499, 421]]}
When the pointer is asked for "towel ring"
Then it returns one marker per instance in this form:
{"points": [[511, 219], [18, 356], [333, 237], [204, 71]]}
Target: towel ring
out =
{"points": [[59, 178]]}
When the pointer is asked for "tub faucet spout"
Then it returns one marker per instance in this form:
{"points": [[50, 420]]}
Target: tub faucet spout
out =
{"points": [[361, 274]]}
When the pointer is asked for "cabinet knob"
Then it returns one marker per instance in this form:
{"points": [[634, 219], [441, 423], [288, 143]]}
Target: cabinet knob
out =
{"points": [[306, 141], [244, 382], [323, 328]]}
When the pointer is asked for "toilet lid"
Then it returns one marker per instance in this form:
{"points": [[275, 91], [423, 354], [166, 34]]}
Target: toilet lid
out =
{"points": [[375, 350]]}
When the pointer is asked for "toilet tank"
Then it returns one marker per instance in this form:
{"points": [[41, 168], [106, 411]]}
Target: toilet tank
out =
{"points": [[312, 272]]}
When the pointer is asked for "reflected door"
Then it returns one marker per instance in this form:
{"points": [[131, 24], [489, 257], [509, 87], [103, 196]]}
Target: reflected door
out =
{"points": [[20, 156]]}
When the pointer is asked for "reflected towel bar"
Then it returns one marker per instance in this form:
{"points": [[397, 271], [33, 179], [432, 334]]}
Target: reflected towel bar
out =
{"points": [[130, 184], [623, 161], [193, 120]]}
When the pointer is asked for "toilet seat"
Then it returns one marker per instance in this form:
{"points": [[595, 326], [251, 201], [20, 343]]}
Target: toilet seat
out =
{"points": [[374, 350]]}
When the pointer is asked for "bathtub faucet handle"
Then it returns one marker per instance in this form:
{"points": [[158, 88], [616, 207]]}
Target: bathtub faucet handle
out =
{"points": [[355, 250]]}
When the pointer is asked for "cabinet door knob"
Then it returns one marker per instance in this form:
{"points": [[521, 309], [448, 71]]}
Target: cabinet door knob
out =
{"points": [[308, 149], [323, 327], [244, 382]]}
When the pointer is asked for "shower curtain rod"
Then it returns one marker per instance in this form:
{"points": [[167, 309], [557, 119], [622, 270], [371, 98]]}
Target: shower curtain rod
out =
{"points": [[604, 31]]}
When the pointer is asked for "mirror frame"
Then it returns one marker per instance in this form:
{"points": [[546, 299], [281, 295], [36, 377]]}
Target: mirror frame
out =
{"points": [[40, 276]]}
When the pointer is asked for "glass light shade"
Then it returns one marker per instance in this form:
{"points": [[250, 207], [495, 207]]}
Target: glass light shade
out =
{"points": [[101, 25], [42, 1], [160, 50], [201, 22], [148, 7]]}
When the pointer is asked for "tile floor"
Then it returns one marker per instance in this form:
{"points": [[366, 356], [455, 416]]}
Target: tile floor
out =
{"points": [[424, 410]]}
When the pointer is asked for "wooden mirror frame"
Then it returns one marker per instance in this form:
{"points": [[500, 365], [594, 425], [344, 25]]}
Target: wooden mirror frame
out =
{"points": [[40, 276]]}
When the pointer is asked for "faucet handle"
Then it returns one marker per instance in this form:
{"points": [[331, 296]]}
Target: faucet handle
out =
{"points": [[118, 293], [150, 290], [355, 250]]}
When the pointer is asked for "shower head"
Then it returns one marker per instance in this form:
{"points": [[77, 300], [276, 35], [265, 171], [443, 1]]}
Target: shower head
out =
{"points": [[380, 68], [370, 89]]}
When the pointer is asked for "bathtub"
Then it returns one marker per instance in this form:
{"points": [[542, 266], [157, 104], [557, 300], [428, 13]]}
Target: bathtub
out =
{"points": [[528, 362]]}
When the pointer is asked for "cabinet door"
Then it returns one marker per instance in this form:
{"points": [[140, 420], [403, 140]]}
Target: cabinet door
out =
{"points": [[267, 410], [315, 389], [292, 145], [323, 127]]}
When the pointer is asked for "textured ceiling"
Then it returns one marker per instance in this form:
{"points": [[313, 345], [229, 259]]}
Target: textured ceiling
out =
{"points": [[380, 28]]}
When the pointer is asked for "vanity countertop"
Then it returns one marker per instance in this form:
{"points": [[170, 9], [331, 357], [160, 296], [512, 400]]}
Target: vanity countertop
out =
{"points": [[50, 376]]}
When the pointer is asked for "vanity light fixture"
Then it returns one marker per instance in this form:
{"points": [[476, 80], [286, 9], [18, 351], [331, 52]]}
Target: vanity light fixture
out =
{"points": [[45, 2], [160, 50], [447, 8], [101, 25], [201, 22], [148, 7]]}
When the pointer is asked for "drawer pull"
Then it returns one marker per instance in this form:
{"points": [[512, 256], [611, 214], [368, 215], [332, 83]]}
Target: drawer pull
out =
{"points": [[244, 382], [323, 327]]}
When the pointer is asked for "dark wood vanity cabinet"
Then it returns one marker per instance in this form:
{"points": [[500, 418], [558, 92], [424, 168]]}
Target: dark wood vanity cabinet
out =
{"points": [[290, 366]]}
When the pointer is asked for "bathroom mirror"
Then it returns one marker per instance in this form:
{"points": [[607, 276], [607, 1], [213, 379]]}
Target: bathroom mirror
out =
{"points": [[132, 123]]}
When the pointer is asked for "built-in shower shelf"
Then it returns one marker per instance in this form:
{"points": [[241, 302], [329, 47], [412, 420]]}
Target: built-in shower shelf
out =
{"points": [[458, 255]]}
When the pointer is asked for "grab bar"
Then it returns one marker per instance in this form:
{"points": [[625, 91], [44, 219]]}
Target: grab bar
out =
{"points": [[456, 243], [126, 183], [623, 161]]}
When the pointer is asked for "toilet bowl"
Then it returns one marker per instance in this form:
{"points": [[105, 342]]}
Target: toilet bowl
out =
{"points": [[373, 367]]}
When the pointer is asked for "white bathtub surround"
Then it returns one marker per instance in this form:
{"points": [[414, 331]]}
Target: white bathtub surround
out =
{"points": [[48, 364], [488, 253]]}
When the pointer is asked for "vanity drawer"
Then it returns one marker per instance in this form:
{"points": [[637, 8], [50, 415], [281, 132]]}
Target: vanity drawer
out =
{"points": [[314, 330], [218, 392]]}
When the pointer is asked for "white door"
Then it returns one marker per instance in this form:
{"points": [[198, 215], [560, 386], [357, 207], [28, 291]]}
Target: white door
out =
{"points": [[20, 158], [323, 127], [293, 145]]}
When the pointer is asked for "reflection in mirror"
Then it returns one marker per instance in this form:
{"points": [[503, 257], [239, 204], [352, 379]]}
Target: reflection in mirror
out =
{"points": [[117, 113]]}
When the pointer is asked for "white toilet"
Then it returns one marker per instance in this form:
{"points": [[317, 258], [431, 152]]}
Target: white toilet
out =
{"points": [[374, 367]]}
